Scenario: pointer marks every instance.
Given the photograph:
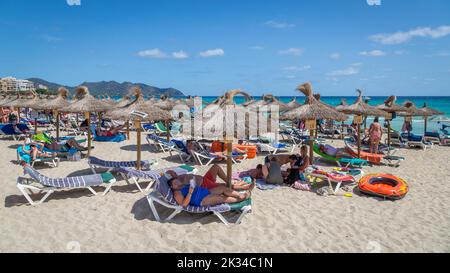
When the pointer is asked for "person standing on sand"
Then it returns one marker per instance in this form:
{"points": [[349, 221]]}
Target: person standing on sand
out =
{"points": [[375, 133]]}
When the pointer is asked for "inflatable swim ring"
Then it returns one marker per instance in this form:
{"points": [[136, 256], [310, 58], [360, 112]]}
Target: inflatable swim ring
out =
{"points": [[383, 185]]}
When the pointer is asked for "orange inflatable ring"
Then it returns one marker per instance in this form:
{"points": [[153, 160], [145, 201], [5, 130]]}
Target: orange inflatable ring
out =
{"points": [[383, 185]]}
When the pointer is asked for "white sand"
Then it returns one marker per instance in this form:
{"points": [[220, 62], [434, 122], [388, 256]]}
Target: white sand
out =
{"points": [[283, 220]]}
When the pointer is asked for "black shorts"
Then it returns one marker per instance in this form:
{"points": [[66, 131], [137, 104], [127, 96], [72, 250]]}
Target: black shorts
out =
{"points": [[266, 160]]}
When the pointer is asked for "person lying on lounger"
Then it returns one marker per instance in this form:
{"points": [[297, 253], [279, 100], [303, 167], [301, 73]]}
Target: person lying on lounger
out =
{"points": [[36, 151], [111, 132], [209, 181], [53, 145], [254, 174], [328, 150], [194, 195]]}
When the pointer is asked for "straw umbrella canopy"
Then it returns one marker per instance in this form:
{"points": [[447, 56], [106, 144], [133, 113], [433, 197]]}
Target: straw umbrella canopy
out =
{"points": [[293, 104], [429, 112], [360, 108], [61, 101], [86, 103], [137, 111], [312, 110], [217, 122], [412, 110], [391, 107]]}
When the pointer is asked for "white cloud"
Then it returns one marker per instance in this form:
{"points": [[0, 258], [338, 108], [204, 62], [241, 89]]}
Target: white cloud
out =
{"points": [[344, 72], [275, 24], [373, 53], [292, 51], [439, 54], [400, 52], [212, 53], [180, 55], [356, 64], [256, 47], [297, 68], [290, 77], [403, 37], [152, 53], [335, 56], [73, 2]]}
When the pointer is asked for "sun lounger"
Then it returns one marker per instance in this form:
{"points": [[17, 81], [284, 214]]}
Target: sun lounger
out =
{"points": [[161, 144], [9, 130], [22, 156], [162, 194], [41, 183], [341, 162], [417, 141], [377, 159], [269, 146], [205, 157], [95, 163], [434, 137], [333, 177], [151, 175]]}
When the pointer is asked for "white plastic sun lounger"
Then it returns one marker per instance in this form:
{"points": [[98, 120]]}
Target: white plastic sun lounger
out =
{"points": [[41, 183], [162, 194]]}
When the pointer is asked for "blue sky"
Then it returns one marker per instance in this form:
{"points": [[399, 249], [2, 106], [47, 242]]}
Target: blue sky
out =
{"points": [[205, 47]]}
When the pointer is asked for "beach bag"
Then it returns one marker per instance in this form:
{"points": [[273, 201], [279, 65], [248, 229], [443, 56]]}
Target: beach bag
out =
{"points": [[74, 155]]}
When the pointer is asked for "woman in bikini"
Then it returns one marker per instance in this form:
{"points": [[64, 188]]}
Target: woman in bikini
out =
{"points": [[375, 133]]}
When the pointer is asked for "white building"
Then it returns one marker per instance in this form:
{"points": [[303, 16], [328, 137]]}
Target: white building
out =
{"points": [[10, 84]]}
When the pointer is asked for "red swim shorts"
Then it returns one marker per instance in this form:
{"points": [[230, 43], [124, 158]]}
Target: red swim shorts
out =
{"points": [[209, 182]]}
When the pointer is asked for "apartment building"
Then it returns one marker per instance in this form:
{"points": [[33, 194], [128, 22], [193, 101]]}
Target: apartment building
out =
{"points": [[10, 84]]}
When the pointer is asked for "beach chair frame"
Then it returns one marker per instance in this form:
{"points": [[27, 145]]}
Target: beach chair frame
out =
{"points": [[155, 197], [26, 187]]}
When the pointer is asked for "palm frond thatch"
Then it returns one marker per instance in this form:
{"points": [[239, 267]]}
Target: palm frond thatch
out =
{"points": [[59, 102], [430, 111], [312, 109], [361, 108], [85, 102]]}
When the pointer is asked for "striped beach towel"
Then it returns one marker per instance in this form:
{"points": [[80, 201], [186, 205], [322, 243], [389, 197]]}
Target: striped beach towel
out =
{"points": [[118, 164], [69, 182]]}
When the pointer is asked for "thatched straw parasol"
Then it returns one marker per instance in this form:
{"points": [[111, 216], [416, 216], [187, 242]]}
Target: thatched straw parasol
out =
{"points": [[86, 103], [221, 117], [293, 104], [391, 107], [311, 111], [429, 112], [61, 101], [131, 112], [412, 111], [360, 109]]}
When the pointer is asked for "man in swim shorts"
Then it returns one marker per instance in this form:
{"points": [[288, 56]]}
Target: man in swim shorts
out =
{"points": [[209, 180]]}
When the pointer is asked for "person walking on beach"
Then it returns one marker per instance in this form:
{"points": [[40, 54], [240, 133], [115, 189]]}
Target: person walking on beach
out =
{"points": [[375, 133]]}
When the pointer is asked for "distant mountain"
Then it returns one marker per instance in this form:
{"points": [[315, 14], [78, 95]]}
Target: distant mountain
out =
{"points": [[112, 88]]}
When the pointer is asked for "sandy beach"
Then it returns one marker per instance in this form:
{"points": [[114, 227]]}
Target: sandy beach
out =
{"points": [[282, 220]]}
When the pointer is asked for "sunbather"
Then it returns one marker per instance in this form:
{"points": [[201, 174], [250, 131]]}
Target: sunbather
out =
{"points": [[53, 145], [209, 181], [34, 151], [254, 174], [113, 131], [194, 195]]}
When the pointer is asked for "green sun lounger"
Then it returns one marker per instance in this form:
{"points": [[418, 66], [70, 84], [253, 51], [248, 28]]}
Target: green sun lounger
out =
{"points": [[341, 162]]}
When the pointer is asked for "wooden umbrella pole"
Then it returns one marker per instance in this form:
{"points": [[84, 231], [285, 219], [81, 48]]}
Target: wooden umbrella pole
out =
{"points": [[88, 118], [359, 140], [57, 126], [138, 143], [168, 135], [389, 133], [425, 125], [311, 145], [128, 129], [99, 119], [342, 130], [229, 162], [18, 114], [35, 125]]}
